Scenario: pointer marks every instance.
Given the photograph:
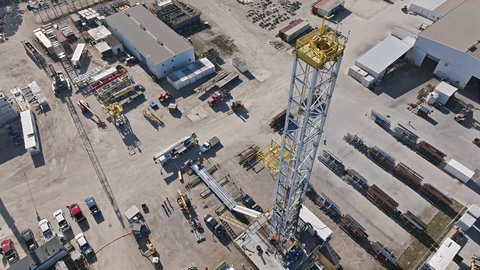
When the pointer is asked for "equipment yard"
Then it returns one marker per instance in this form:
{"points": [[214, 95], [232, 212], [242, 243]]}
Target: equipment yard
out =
{"points": [[102, 144]]}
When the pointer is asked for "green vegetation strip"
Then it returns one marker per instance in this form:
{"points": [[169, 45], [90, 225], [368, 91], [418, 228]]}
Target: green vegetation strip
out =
{"points": [[437, 229]]}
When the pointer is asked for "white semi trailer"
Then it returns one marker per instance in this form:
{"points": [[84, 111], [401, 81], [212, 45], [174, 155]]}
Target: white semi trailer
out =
{"points": [[176, 149]]}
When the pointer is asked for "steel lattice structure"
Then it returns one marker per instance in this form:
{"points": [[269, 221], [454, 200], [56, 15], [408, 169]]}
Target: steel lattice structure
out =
{"points": [[315, 69]]}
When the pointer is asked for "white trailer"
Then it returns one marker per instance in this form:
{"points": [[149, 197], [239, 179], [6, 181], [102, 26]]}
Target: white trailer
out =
{"points": [[30, 134], [459, 171], [175, 149]]}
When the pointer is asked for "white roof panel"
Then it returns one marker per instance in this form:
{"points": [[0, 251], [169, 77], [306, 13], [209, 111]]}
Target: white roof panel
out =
{"points": [[429, 4], [78, 52], [459, 167], [43, 39], [297, 28], [322, 230], [27, 128], [446, 89], [102, 47], [466, 221], [444, 255], [474, 210], [99, 33], [383, 54]]}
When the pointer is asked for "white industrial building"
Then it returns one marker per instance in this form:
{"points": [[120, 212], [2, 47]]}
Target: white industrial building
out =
{"points": [[434, 9], [7, 112], [372, 66], [453, 42], [150, 40], [442, 258]]}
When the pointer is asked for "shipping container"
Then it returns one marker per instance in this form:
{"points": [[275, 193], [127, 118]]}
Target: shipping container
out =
{"points": [[457, 170], [30, 132]]}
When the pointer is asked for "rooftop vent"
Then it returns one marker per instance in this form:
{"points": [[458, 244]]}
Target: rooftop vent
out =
{"points": [[143, 27], [159, 42], [128, 14]]}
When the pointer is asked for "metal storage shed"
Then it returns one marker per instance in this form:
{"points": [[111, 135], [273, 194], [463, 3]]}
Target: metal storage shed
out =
{"points": [[444, 91], [318, 226], [294, 29], [100, 33], [116, 45], [444, 255], [102, 47], [426, 8], [379, 58], [459, 171], [327, 7]]}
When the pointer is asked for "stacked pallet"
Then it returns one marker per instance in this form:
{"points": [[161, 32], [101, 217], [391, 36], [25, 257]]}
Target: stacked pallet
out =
{"points": [[436, 196], [381, 157], [383, 255], [352, 228], [356, 181], [380, 199], [430, 153], [412, 222], [407, 176]]}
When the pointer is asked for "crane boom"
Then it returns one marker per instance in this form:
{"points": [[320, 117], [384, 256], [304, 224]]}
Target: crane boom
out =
{"points": [[315, 70]]}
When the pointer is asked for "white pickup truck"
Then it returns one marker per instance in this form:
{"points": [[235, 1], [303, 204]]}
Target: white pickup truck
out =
{"points": [[209, 144]]}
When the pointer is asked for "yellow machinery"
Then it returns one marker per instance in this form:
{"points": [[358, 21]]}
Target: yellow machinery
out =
{"points": [[152, 117], [270, 155], [473, 263], [115, 111], [184, 202], [319, 47]]}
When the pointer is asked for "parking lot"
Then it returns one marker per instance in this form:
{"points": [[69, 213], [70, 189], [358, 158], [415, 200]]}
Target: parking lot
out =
{"points": [[63, 174]]}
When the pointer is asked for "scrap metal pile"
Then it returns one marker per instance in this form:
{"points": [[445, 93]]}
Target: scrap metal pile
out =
{"points": [[270, 14]]}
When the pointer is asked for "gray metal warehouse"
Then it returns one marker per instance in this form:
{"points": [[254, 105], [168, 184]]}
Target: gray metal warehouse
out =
{"points": [[150, 40]]}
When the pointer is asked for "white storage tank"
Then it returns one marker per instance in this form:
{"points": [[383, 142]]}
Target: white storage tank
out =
{"points": [[432, 98]]}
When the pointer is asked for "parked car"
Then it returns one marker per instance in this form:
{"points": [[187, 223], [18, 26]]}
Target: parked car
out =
{"points": [[46, 227], [92, 205], [9, 251], [213, 225], [250, 203], [29, 239], [84, 245], [61, 220], [75, 212]]}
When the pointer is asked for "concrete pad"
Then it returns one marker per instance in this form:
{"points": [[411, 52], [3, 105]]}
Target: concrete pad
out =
{"points": [[197, 113], [262, 75]]}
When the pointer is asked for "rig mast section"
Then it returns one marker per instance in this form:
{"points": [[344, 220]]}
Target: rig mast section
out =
{"points": [[315, 70]]}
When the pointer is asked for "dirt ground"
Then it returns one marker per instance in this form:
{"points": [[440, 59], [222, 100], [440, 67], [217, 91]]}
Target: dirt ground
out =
{"points": [[34, 188]]}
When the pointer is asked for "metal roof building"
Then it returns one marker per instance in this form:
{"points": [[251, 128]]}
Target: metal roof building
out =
{"points": [[150, 40], [453, 42], [379, 58]]}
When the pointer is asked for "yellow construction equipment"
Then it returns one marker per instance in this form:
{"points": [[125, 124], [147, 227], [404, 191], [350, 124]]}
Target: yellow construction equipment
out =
{"points": [[152, 117], [270, 155], [473, 263], [319, 47], [184, 202], [115, 111]]}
